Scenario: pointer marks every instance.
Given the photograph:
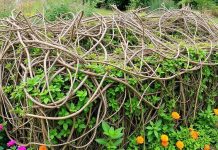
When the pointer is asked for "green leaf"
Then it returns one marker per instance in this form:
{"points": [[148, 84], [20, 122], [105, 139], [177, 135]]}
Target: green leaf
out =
{"points": [[149, 128], [111, 131], [82, 126], [60, 122], [65, 126], [150, 133], [117, 135], [69, 121], [81, 94], [60, 135], [119, 130], [72, 107], [150, 138], [105, 126], [101, 141], [156, 134], [46, 100], [118, 142], [159, 122], [53, 133]]}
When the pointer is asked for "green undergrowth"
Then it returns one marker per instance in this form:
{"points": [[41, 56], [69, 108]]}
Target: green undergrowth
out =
{"points": [[135, 117]]}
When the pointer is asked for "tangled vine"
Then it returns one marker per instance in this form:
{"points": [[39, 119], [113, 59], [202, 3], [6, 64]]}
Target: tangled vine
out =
{"points": [[60, 80]]}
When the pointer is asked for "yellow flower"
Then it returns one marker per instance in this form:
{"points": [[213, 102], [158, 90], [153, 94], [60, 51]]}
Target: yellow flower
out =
{"points": [[139, 140], [194, 134], [180, 145], [164, 138], [215, 111], [175, 115], [42, 147], [164, 144], [206, 147]]}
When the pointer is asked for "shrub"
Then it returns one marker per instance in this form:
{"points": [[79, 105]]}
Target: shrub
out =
{"points": [[204, 4], [154, 4], [54, 11], [215, 11], [5, 8], [5, 13]]}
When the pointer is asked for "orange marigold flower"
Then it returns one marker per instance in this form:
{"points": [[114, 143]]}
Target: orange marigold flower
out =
{"points": [[194, 134], [206, 147], [42, 147], [164, 138], [140, 140], [215, 111], [164, 144], [180, 145], [175, 115]]}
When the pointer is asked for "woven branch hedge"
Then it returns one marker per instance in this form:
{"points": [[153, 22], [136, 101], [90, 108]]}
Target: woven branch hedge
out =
{"points": [[60, 80]]}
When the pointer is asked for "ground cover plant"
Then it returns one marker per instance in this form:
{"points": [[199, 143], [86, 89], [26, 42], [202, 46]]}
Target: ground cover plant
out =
{"points": [[124, 81], [52, 9]]}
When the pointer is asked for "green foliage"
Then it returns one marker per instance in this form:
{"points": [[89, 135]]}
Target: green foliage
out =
{"points": [[58, 10], [113, 137], [154, 4], [204, 4], [18, 93], [154, 131], [54, 92], [5, 13], [132, 109], [206, 119], [132, 143], [5, 9], [112, 96], [126, 108]]}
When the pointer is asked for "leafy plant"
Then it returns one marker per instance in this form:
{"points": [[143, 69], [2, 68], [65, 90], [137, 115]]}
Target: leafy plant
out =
{"points": [[57, 10], [113, 136], [154, 130]]}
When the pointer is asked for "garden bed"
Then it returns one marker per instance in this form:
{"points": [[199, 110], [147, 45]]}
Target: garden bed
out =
{"points": [[71, 83]]}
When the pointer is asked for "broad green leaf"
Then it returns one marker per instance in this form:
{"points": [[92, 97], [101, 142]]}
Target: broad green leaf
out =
{"points": [[111, 131], [60, 122], [149, 128], [117, 135], [150, 133], [82, 126], [118, 142], [101, 141], [69, 121], [65, 126], [156, 134], [159, 122], [105, 126], [119, 130], [46, 100]]}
